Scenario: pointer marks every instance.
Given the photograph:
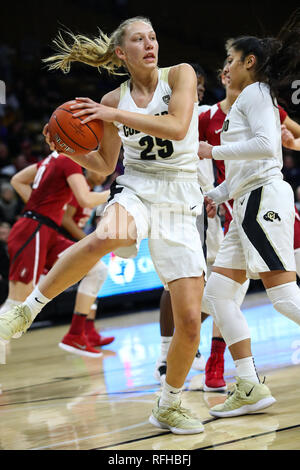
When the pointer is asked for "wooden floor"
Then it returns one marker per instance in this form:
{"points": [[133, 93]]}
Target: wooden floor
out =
{"points": [[54, 400]]}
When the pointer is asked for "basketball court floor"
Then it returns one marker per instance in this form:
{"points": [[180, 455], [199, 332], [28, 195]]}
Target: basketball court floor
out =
{"points": [[54, 400]]}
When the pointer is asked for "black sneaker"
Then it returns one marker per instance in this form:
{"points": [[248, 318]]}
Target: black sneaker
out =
{"points": [[160, 371]]}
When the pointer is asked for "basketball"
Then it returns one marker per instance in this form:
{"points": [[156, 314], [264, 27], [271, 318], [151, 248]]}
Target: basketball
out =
{"points": [[69, 135]]}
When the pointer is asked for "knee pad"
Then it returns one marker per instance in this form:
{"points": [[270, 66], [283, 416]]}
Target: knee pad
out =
{"points": [[286, 300], [220, 296], [94, 279], [241, 292]]}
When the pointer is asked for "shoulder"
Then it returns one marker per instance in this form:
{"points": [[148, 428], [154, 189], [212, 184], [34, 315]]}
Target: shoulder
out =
{"points": [[181, 71], [112, 98], [255, 95], [257, 89]]}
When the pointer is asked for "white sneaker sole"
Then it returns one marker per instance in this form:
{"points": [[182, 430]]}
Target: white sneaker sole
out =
{"points": [[246, 409], [212, 389], [79, 352], [160, 425]]}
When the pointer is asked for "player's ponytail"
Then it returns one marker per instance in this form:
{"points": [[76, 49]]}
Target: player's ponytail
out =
{"points": [[277, 59], [98, 52]]}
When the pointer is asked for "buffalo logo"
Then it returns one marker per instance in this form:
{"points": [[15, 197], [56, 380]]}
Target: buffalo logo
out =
{"points": [[166, 99], [271, 216]]}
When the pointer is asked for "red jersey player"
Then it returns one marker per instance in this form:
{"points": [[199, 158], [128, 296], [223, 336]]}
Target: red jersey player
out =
{"points": [[34, 243], [74, 220]]}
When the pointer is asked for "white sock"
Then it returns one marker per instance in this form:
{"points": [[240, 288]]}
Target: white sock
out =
{"points": [[169, 395], [245, 369], [165, 342], [8, 305], [36, 301]]}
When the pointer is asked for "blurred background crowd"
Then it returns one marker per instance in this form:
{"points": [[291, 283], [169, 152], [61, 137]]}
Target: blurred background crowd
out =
{"points": [[32, 93]]}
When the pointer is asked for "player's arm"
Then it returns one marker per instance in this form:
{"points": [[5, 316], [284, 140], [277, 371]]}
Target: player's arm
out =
{"points": [[174, 125], [292, 126], [257, 106], [83, 194], [103, 160], [22, 181], [219, 194], [70, 225], [288, 139]]}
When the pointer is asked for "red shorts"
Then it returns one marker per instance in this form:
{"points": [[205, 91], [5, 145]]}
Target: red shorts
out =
{"points": [[31, 251]]}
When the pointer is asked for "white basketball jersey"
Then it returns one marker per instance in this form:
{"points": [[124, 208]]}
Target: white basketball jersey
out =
{"points": [[150, 153]]}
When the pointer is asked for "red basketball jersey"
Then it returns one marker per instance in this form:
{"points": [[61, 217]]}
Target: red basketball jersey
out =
{"points": [[82, 214], [210, 127], [50, 189]]}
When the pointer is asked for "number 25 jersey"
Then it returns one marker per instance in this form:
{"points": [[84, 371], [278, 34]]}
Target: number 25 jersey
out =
{"points": [[150, 153]]}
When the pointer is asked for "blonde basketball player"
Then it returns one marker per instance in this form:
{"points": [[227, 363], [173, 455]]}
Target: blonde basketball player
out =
{"points": [[155, 115]]}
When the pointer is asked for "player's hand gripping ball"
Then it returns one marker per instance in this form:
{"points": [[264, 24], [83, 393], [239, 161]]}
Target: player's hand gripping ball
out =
{"points": [[69, 135]]}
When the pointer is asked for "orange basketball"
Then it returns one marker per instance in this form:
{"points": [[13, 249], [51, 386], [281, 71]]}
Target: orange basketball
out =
{"points": [[69, 135]]}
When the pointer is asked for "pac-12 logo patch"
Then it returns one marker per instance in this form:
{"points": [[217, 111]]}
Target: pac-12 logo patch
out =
{"points": [[271, 216], [166, 99]]}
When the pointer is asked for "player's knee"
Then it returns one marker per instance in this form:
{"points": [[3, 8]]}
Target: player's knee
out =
{"points": [[218, 291], [189, 325], [92, 282], [115, 237]]}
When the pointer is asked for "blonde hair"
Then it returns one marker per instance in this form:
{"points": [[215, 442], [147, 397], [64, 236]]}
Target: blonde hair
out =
{"points": [[98, 52]]}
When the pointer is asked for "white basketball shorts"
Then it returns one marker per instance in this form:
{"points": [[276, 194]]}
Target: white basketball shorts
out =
{"points": [[164, 207], [261, 235]]}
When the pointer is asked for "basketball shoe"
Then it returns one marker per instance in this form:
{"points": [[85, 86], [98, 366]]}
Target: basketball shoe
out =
{"points": [[246, 397], [78, 344], [160, 371], [214, 374], [175, 418], [14, 322], [95, 339]]}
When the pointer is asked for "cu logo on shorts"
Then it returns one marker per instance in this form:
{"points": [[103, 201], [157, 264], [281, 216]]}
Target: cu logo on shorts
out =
{"points": [[271, 216], [2, 92], [225, 125]]}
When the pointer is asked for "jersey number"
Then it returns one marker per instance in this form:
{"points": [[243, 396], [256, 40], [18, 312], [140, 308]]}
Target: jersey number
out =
{"points": [[165, 151]]}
